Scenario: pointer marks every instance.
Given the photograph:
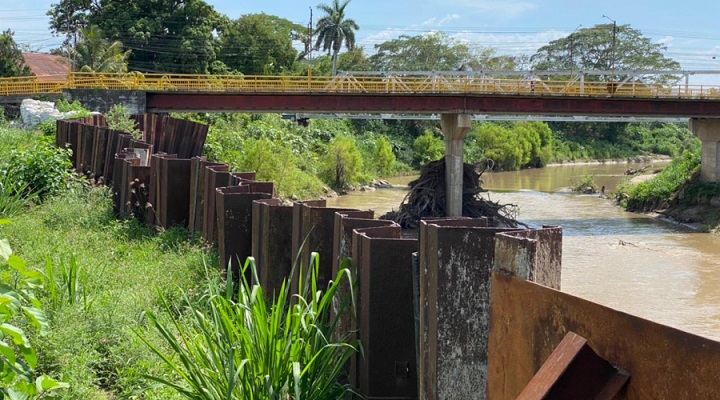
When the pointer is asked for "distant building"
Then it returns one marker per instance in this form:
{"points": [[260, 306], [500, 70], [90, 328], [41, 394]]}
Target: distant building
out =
{"points": [[47, 67]]}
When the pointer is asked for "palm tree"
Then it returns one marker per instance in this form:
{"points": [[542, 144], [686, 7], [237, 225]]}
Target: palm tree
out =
{"points": [[94, 53], [333, 29]]}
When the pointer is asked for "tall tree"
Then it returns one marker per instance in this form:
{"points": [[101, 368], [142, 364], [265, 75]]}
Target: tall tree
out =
{"points": [[257, 44], [94, 53], [164, 35], [436, 51], [68, 17], [333, 29], [604, 47], [12, 62]]}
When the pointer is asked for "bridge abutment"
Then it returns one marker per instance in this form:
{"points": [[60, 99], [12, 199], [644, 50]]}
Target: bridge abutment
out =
{"points": [[708, 131], [455, 127]]}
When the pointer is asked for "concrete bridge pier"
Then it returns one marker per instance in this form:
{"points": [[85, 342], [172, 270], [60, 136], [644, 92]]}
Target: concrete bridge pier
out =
{"points": [[454, 127], [708, 131]]}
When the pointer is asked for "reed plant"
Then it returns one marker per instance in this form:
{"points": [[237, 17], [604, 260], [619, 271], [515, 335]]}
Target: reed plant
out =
{"points": [[239, 344]]}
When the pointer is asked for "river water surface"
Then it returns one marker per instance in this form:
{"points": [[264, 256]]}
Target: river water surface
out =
{"points": [[631, 262]]}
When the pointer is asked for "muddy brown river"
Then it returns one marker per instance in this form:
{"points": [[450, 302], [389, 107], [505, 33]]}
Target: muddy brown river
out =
{"points": [[631, 262]]}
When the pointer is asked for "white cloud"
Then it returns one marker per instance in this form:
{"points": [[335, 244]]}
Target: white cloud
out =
{"points": [[511, 43], [429, 25], [448, 18]]}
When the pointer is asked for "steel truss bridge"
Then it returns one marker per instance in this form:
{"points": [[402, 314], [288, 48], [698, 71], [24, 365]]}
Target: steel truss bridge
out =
{"points": [[675, 84], [548, 95]]}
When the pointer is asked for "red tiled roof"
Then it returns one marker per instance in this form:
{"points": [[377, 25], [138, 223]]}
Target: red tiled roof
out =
{"points": [[46, 65]]}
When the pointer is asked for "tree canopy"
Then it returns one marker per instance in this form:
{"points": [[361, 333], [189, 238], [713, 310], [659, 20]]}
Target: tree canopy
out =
{"points": [[12, 62], [259, 44], [436, 51], [592, 49], [333, 30]]}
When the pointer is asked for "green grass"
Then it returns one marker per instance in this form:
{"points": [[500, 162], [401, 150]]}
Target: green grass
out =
{"points": [[121, 267]]}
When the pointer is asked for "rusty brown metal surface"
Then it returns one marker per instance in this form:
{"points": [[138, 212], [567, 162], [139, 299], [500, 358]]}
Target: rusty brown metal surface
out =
{"points": [[534, 255], [234, 220], [216, 176], [117, 185], [388, 369], [198, 193], [316, 228], [530, 320], [455, 265], [174, 193], [431, 104], [272, 243], [573, 371], [388, 232]]}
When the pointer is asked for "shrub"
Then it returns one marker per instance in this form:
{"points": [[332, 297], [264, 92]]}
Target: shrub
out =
{"points": [[43, 170], [242, 345], [428, 148], [118, 118], [342, 165]]}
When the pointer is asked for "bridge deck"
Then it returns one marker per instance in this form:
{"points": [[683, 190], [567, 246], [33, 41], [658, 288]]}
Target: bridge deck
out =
{"points": [[433, 104]]}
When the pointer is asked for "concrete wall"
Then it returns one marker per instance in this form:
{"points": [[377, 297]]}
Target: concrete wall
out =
{"points": [[102, 100]]}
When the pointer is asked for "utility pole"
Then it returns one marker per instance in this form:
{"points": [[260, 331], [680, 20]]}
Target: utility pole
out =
{"points": [[612, 61], [572, 53], [310, 45]]}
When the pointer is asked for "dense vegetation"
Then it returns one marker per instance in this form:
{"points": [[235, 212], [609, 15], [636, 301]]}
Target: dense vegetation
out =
{"points": [[341, 153]]}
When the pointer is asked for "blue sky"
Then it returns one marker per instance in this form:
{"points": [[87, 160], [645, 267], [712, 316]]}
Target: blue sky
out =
{"points": [[688, 28]]}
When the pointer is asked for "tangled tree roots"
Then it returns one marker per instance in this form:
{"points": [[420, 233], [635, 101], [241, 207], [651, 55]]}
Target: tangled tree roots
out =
{"points": [[427, 199]]}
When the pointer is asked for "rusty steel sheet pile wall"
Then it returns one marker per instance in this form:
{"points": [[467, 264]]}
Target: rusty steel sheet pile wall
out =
{"points": [[313, 227], [456, 258], [272, 242], [388, 369], [234, 215]]}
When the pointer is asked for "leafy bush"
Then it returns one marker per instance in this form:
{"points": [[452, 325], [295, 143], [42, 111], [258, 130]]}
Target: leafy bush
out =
{"points": [[428, 148], [43, 169], [64, 106], [18, 358], [242, 345], [342, 165], [119, 119]]}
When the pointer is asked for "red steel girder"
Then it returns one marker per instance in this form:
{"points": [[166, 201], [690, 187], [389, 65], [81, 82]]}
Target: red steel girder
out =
{"points": [[432, 104]]}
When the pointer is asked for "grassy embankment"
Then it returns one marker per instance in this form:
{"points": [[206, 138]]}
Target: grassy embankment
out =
{"points": [[121, 269], [677, 192]]}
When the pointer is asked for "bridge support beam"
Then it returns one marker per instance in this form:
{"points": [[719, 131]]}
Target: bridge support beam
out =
{"points": [[708, 131], [455, 127]]}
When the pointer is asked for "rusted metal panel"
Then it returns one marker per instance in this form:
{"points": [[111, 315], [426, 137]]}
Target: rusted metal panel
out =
{"points": [[215, 176], [530, 320], [432, 103], [389, 232], [388, 368], [534, 255], [199, 187], [99, 152], [272, 243], [573, 371], [315, 230], [174, 195], [299, 238], [455, 265], [117, 188], [234, 219]]}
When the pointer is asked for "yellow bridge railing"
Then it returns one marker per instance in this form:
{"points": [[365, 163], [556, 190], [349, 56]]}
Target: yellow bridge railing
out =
{"points": [[375, 84]]}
